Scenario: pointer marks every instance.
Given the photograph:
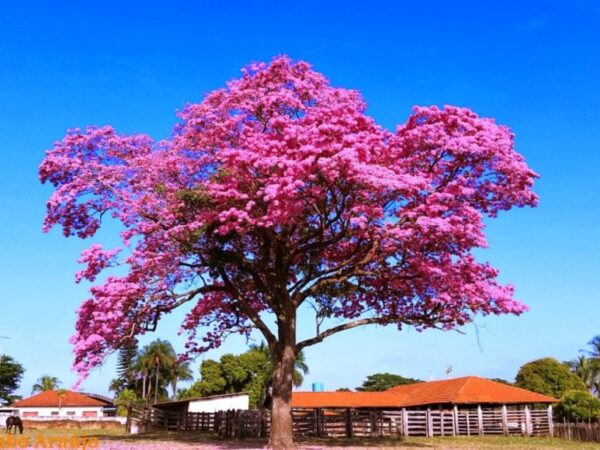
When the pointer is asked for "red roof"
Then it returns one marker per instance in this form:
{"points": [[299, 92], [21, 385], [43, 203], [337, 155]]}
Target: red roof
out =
{"points": [[456, 391], [52, 399]]}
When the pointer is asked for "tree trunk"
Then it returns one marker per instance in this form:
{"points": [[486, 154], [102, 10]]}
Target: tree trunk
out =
{"points": [[156, 388], [284, 357]]}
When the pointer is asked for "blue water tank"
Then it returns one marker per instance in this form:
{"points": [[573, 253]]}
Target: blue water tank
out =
{"points": [[317, 387]]}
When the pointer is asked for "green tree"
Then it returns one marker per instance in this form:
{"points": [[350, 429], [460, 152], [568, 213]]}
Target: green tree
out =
{"points": [[588, 370], [179, 371], [501, 380], [123, 399], [11, 373], [594, 369], [46, 383], [154, 363], [249, 372], [212, 382], [126, 375], [577, 405], [549, 377], [384, 381]]}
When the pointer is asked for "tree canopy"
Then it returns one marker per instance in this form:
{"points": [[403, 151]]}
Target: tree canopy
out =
{"points": [[46, 383], [278, 192], [577, 405], [549, 377], [11, 373], [248, 372], [384, 381]]}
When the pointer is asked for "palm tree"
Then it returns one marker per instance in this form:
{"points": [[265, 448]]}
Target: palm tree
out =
{"points": [[584, 368], [594, 365], [155, 360], [46, 383], [180, 371], [143, 368], [300, 369], [61, 394]]}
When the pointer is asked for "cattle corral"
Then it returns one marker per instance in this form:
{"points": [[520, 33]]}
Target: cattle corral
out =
{"points": [[348, 423]]}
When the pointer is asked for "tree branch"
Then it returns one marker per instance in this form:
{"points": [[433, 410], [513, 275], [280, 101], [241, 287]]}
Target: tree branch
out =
{"points": [[248, 310], [348, 326]]}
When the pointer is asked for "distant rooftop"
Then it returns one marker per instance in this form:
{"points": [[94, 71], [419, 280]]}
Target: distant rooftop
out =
{"points": [[53, 399], [455, 391]]}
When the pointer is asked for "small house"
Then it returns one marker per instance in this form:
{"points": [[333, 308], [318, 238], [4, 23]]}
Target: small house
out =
{"points": [[63, 404]]}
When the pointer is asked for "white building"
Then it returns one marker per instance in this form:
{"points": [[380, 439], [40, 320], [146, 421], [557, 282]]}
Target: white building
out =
{"points": [[63, 404], [212, 403]]}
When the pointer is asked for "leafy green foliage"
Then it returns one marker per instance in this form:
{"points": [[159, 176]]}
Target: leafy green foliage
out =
{"points": [[149, 372], [248, 372], [123, 399], [126, 375], [384, 381], [46, 383], [578, 405], [588, 370], [549, 377], [11, 373]]}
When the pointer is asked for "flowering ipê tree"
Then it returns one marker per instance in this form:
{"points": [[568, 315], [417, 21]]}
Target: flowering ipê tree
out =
{"points": [[279, 192]]}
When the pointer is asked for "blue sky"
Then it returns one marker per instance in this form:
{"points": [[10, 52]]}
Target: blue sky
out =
{"points": [[532, 65]]}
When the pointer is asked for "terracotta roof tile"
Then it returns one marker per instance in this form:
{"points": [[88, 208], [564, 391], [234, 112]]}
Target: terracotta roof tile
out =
{"points": [[464, 390], [52, 399]]}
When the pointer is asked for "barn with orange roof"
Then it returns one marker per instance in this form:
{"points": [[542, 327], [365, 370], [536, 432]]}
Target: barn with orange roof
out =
{"points": [[459, 406]]}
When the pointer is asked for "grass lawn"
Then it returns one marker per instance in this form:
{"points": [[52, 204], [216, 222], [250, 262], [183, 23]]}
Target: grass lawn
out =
{"points": [[119, 440]]}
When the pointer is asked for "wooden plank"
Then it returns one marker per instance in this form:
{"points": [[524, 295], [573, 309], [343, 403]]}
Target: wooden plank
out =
{"points": [[528, 429]]}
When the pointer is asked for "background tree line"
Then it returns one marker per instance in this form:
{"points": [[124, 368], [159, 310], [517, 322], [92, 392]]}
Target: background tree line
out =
{"points": [[153, 373]]}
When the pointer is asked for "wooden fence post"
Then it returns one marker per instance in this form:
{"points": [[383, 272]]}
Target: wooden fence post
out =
{"points": [[527, 421], [373, 420], [404, 422], [318, 423], [428, 427], [348, 418], [128, 422], [479, 420], [550, 421], [442, 423], [504, 420], [263, 422], [455, 430]]}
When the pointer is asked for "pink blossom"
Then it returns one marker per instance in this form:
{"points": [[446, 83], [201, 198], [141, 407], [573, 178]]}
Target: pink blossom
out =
{"points": [[279, 190]]}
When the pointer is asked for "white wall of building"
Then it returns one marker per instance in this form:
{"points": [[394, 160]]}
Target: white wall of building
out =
{"points": [[65, 411], [241, 401]]}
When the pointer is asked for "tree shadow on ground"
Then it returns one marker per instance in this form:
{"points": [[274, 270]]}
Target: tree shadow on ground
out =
{"points": [[216, 442]]}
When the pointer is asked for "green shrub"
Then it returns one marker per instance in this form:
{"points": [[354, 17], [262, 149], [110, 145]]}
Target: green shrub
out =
{"points": [[578, 405]]}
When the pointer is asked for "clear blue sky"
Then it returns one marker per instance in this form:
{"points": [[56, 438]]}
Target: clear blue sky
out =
{"points": [[531, 64]]}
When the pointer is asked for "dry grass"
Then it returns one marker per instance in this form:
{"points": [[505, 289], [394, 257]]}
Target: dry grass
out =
{"points": [[119, 440]]}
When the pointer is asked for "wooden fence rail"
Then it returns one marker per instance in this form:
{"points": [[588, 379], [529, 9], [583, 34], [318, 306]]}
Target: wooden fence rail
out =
{"points": [[350, 422], [585, 432]]}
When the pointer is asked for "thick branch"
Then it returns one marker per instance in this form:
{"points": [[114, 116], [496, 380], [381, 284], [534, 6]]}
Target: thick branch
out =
{"points": [[249, 310], [348, 326]]}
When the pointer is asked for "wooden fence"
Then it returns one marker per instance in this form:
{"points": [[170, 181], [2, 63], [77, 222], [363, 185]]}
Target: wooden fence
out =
{"points": [[352, 422], [586, 432]]}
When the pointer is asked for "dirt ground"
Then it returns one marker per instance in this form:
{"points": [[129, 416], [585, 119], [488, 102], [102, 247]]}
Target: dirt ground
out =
{"points": [[118, 440]]}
